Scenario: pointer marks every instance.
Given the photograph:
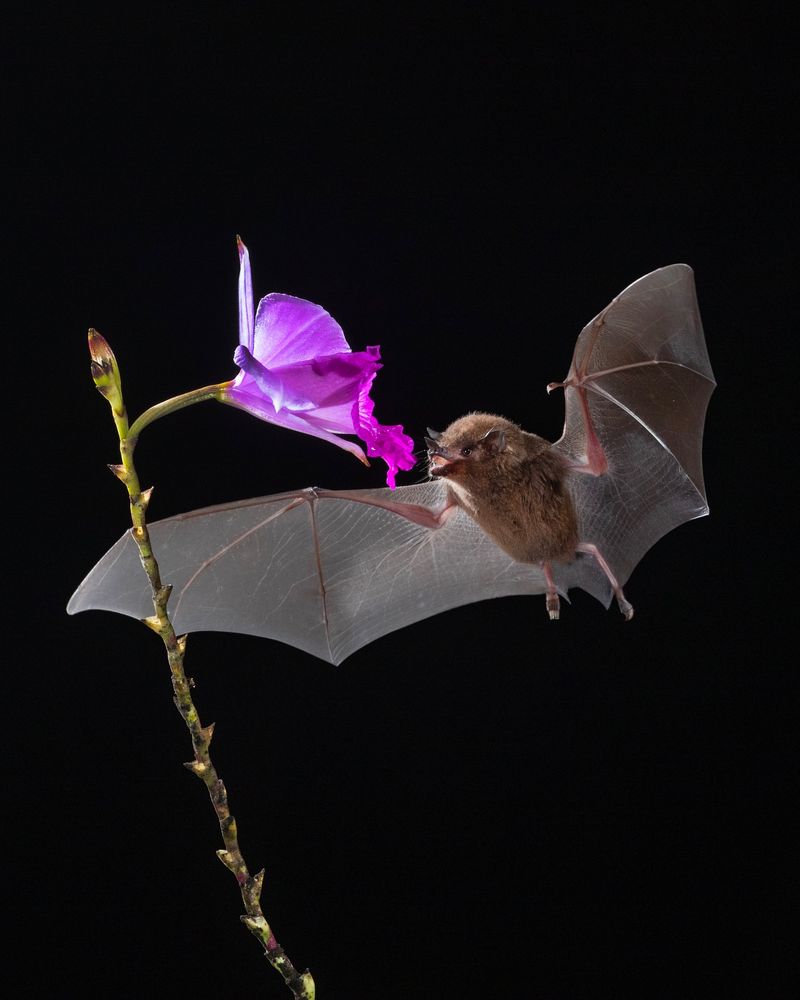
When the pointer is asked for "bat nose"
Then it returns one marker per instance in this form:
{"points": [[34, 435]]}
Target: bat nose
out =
{"points": [[434, 435], [431, 445]]}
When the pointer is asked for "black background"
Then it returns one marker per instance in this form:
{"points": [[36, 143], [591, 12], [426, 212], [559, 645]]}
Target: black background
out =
{"points": [[485, 803]]}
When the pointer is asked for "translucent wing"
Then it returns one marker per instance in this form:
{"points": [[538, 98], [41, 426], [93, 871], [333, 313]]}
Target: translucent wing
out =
{"points": [[329, 572], [636, 398], [324, 571]]}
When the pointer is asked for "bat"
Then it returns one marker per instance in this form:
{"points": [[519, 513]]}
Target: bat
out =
{"points": [[505, 512]]}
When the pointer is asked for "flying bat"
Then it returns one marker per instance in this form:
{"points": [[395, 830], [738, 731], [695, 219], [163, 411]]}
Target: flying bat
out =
{"points": [[505, 512]]}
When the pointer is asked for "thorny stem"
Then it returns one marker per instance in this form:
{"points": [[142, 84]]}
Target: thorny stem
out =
{"points": [[106, 377]]}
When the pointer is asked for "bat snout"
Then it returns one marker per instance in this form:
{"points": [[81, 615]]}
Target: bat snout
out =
{"points": [[438, 461], [438, 465]]}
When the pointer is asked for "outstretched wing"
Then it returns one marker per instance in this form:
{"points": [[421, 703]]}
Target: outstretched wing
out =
{"points": [[636, 398], [325, 571], [329, 572]]}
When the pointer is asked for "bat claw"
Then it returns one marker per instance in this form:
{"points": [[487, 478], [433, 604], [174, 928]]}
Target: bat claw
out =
{"points": [[553, 602], [626, 608]]}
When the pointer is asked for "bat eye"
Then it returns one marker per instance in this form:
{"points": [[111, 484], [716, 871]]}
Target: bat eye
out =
{"points": [[466, 452]]}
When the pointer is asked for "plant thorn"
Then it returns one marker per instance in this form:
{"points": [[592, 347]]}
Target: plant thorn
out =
{"points": [[227, 859], [258, 925], [258, 883]]}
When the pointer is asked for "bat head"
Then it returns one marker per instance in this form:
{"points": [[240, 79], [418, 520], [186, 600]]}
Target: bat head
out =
{"points": [[472, 448]]}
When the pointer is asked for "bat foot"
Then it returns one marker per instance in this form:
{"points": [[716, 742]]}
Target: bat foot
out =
{"points": [[553, 601], [625, 607]]}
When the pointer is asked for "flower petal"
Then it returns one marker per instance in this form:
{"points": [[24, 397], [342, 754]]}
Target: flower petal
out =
{"points": [[289, 329], [270, 383], [386, 441], [257, 405], [329, 381], [395, 448], [296, 369], [245, 297]]}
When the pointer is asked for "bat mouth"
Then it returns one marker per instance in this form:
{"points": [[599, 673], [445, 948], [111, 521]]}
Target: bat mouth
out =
{"points": [[438, 465]]}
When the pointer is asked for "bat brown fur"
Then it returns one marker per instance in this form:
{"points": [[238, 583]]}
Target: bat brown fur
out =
{"points": [[511, 482]]}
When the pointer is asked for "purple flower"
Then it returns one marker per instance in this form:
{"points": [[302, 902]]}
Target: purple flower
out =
{"points": [[297, 370]]}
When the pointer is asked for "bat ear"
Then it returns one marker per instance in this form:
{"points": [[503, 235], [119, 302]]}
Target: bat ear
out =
{"points": [[433, 435], [495, 440]]}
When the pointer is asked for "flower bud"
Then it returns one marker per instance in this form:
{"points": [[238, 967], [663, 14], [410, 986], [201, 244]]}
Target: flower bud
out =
{"points": [[105, 371]]}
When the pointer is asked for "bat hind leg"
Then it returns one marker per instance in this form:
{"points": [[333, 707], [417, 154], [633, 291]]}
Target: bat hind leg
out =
{"points": [[553, 600], [624, 605]]}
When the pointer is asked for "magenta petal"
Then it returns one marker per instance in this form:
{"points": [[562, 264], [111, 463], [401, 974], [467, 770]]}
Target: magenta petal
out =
{"points": [[296, 369], [383, 441], [245, 297], [255, 404], [270, 383], [394, 447], [334, 380], [338, 418], [289, 330]]}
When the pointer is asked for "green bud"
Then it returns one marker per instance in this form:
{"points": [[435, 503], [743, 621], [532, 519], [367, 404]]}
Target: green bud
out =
{"points": [[105, 371]]}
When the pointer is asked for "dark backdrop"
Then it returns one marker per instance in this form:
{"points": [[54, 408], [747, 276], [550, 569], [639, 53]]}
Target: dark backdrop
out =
{"points": [[485, 802]]}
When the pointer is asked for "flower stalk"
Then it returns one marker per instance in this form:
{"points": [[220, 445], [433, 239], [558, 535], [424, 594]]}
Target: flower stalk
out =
{"points": [[174, 404], [105, 374]]}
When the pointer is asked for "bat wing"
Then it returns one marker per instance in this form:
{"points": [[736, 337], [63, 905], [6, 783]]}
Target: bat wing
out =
{"points": [[325, 571], [329, 571], [636, 398]]}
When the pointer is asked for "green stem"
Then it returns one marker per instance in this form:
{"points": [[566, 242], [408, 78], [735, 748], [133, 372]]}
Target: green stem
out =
{"points": [[301, 984], [171, 405]]}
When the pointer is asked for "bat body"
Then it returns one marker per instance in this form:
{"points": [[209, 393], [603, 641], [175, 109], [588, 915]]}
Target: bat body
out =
{"points": [[331, 571], [511, 482], [515, 485]]}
